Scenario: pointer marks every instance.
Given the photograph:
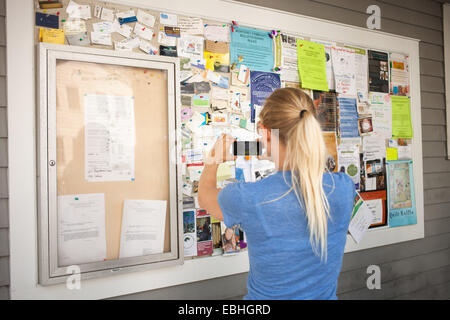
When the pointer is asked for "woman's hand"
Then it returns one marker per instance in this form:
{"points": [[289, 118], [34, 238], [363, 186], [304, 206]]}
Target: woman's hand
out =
{"points": [[221, 150]]}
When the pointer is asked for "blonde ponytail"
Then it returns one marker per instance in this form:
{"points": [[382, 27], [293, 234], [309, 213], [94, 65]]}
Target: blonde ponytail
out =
{"points": [[292, 112]]}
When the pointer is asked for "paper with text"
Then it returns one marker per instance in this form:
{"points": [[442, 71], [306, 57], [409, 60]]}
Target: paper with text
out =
{"points": [[109, 138], [143, 228], [81, 229]]}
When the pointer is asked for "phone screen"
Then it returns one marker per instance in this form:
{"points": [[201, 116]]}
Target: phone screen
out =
{"points": [[247, 148]]}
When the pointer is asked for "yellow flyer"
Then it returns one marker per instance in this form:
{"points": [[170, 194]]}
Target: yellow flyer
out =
{"points": [[219, 62], [401, 117], [51, 35], [312, 65]]}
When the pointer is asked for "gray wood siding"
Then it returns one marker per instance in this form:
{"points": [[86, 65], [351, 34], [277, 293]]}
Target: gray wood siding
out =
{"points": [[418, 269], [4, 221]]}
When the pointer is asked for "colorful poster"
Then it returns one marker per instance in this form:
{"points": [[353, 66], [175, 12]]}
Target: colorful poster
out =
{"points": [[251, 47], [262, 84], [326, 109], [218, 62], [204, 233], [348, 118], [190, 47], [401, 117], [189, 230], [378, 71], [399, 74], [348, 159], [332, 155], [376, 201], [311, 65], [401, 200]]}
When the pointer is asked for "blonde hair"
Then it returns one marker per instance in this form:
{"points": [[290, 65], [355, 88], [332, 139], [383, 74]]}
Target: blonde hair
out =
{"points": [[292, 112]]}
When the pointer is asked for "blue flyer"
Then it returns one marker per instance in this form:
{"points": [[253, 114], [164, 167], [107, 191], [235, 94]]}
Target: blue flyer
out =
{"points": [[401, 199], [252, 48], [348, 118], [262, 84], [47, 20]]}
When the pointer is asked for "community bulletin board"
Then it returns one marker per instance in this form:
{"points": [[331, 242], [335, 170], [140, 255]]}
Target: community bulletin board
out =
{"points": [[118, 103]]}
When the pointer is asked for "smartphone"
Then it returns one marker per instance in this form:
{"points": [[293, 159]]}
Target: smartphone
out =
{"points": [[247, 148]]}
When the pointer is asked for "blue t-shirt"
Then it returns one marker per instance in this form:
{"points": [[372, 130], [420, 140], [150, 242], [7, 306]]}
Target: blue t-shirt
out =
{"points": [[282, 262]]}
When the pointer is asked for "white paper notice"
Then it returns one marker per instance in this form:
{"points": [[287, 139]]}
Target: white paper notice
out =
{"points": [[143, 228], [75, 10], [81, 229], [107, 15], [344, 70], [147, 47], [166, 40], [168, 19], [127, 44], [381, 109], [103, 26], [109, 138], [102, 38], [289, 62], [190, 25], [217, 33], [374, 147], [143, 31], [376, 208], [125, 14], [145, 18], [123, 29], [360, 222], [362, 67]]}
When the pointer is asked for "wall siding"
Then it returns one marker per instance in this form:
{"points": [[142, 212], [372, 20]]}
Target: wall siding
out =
{"points": [[418, 269], [4, 221]]}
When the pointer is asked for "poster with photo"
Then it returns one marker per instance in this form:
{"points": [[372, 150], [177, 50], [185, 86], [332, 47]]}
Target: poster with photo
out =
{"points": [[189, 233], [204, 233], [378, 71], [326, 109], [401, 200]]}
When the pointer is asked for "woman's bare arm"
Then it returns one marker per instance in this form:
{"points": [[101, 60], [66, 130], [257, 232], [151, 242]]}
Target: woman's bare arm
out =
{"points": [[207, 186]]}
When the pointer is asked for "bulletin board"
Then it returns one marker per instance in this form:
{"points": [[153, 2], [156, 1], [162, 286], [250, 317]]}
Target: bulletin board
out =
{"points": [[74, 79], [70, 79]]}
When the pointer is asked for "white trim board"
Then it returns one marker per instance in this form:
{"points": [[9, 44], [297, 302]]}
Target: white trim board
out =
{"points": [[22, 149], [446, 35]]}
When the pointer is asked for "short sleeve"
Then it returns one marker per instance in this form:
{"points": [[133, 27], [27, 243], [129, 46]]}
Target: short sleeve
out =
{"points": [[233, 201]]}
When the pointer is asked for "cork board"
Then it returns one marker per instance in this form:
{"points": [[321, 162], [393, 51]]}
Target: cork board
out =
{"points": [[74, 79]]}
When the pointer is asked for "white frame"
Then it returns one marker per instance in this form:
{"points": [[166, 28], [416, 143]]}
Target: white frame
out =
{"points": [[48, 54], [446, 35], [22, 153]]}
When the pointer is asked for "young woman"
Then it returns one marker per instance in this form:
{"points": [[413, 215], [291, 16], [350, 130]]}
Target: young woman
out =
{"points": [[295, 220]]}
